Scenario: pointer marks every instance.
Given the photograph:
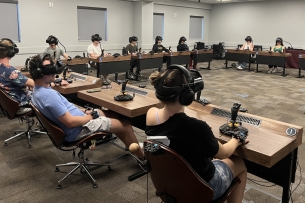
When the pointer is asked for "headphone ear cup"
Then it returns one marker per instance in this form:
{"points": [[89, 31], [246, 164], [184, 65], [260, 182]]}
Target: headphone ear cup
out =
{"points": [[36, 73], [186, 97]]}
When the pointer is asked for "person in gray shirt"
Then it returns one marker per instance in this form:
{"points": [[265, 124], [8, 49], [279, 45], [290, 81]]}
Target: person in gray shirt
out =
{"points": [[53, 50]]}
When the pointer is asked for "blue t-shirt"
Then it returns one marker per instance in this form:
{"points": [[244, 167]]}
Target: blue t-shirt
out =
{"points": [[13, 82], [53, 105]]}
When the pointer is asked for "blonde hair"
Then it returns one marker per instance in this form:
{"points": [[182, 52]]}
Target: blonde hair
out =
{"points": [[4, 50]]}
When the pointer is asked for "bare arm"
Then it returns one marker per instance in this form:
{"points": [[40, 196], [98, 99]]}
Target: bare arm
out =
{"points": [[226, 150], [30, 83], [74, 121]]}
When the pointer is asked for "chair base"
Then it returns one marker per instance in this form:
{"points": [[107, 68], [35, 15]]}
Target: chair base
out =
{"points": [[28, 133]]}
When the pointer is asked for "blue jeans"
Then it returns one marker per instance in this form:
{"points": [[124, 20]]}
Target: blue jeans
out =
{"points": [[222, 178], [242, 64]]}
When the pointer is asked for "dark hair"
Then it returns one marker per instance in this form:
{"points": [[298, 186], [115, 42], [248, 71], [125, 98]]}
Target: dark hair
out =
{"points": [[4, 50], [182, 39], [248, 39], [37, 60], [157, 39], [279, 39], [174, 78]]}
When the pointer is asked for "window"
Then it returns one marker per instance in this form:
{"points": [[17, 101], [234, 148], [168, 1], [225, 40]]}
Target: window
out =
{"points": [[196, 27], [91, 21], [158, 25], [9, 22]]}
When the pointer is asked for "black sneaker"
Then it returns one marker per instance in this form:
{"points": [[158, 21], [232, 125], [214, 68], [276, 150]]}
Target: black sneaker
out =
{"points": [[130, 74]]}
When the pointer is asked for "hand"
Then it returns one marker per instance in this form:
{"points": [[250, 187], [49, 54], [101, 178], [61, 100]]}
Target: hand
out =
{"points": [[134, 54], [64, 83]]}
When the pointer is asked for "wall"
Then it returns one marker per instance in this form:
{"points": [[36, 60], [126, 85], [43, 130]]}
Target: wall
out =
{"points": [[264, 21], [39, 21], [175, 27]]}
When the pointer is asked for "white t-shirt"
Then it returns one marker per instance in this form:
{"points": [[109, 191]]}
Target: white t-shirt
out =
{"points": [[96, 50]]}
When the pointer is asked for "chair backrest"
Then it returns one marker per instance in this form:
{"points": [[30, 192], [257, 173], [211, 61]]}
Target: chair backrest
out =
{"points": [[174, 179], [55, 133], [8, 105]]}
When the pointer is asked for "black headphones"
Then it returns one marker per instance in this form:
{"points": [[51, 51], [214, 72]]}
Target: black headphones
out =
{"points": [[157, 39], [38, 70], [186, 91], [133, 39], [279, 39], [52, 40], [182, 39], [96, 37], [248, 39], [11, 50]]}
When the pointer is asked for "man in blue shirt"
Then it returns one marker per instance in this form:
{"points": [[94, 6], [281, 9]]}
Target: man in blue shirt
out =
{"points": [[75, 122]]}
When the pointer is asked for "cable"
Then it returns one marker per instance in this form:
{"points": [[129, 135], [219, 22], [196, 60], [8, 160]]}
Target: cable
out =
{"points": [[63, 46], [298, 164]]}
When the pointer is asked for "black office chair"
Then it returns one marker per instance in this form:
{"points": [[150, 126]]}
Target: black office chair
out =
{"points": [[175, 180], [9, 108], [57, 135]]}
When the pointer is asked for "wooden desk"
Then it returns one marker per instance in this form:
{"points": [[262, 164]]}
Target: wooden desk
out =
{"points": [[89, 82], [110, 64], [238, 55], [202, 55], [301, 64], [148, 61], [137, 107], [271, 154], [78, 65], [272, 58], [26, 73], [179, 57]]}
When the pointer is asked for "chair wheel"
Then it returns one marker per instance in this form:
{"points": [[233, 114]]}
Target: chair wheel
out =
{"points": [[95, 186], [30, 147], [233, 65], [109, 168], [82, 171], [59, 187], [5, 144], [56, 169]]}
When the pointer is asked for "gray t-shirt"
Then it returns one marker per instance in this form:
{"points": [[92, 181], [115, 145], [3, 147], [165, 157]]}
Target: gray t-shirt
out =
{"points": [[131, 49], [58, 52]]}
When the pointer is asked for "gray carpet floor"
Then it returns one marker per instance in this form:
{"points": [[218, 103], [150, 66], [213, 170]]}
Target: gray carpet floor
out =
{"points": [[27, 175]]}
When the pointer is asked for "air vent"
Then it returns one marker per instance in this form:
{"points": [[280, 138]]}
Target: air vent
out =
{"points": [[227, 114], [136, 91]]}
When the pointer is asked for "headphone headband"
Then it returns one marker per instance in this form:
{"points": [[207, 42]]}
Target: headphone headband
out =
{"points": [[133, 39], [11, 50], [52, 40]]}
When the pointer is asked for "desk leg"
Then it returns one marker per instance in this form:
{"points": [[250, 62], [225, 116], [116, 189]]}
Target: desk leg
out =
{"points": [[288, 179], [98, 70], [207, 68], [284, 71], [226, 64], [300, 76]]}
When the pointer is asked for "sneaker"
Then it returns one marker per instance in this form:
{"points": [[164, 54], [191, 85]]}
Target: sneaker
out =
{"points": [[274, 70], [23, 111], [270, 70], [107, 80], [239, 68], [130, 74], [139, 74]]}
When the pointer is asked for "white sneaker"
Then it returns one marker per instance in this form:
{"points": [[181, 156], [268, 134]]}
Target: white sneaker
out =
{"points": [[239, 68], [107, 80], [23, 111], [270, 70]]}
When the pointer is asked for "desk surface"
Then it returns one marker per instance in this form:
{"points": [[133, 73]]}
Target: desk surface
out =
{"points": [[177, 53], [147, 56], [268, 141], [202, 51], [234, 51], [106, 59], [76, 61], [138, 106], [275, 54], [79, 84]]}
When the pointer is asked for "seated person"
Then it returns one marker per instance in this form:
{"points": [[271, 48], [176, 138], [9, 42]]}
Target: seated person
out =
{"points": [[247, 46], [132, 49], [159, 48], [192, 138], [53, 50], [12, 80], [182, 46], [279, 47], [75, 122], [94, 51]]}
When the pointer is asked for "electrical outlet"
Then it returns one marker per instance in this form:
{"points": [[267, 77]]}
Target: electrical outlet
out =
{"points": [[50, 4]]}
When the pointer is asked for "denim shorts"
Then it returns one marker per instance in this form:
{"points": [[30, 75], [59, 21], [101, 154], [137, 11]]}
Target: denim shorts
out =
{"points": [[222, 178]]}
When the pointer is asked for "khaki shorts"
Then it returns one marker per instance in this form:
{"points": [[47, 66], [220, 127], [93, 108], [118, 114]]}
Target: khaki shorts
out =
{"points": [[101, 123]]}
